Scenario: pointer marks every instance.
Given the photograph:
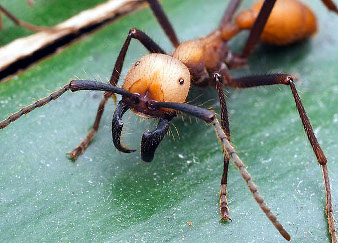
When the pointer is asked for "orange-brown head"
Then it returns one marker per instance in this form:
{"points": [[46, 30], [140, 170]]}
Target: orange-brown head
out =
{"points": [[290, 21], [157, 77]]}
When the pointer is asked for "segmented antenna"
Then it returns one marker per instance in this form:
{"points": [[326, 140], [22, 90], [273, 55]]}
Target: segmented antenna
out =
{"points": [[230, 151]]}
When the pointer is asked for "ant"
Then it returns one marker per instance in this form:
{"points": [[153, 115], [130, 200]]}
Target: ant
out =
{"points": [[158, 84]]}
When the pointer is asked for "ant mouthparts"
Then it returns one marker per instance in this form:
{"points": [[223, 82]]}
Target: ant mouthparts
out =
{"points": [[136, 98], [150, 105]]}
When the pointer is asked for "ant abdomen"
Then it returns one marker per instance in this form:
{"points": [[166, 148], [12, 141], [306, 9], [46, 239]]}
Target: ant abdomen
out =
{"points": [[289, 21]]}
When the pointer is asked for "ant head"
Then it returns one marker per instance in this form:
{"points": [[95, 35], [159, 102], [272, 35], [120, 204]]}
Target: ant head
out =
{"points": [[156, 77]]}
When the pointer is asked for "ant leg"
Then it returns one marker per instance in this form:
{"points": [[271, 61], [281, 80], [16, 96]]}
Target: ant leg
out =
{"points": [[224, 209], [23, 24], [257, 28], [152, 47], [85, 142], [229, 12], [145, 40], [151, 139], [261, 20], [210, 117], [331, 5], [272, 79], [164, 21]]}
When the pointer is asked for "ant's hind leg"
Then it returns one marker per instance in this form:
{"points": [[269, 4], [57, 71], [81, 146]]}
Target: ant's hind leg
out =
{"points": [[224, 209], [260, 23], [272, 79], [164, 21], [331, 5], [258, 28]]}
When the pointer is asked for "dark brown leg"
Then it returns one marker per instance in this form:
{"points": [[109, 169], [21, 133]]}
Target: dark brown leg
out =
{"points": [[258, 28], [147, 42], [164, 21], [272, 79], [229, 12], [23, 24], [85, 142], [224, 209], [330, 5], [261, 20]]}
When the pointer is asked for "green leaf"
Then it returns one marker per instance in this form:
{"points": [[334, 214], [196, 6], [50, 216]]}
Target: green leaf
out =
{"points": [[109, 196]]}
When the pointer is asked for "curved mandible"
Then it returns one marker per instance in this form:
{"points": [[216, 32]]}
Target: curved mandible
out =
{"points": [[117, 125], [151, 139]]}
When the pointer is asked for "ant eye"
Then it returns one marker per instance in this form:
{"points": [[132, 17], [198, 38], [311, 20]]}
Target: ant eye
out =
{"points": [[137, 63], [181, 81]]}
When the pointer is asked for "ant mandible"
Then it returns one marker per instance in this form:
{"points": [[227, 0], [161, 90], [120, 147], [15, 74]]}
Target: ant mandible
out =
{"points": [[158, 84]]}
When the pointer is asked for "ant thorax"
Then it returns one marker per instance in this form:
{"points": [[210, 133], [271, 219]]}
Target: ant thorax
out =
{"points": [[156, 78], [203, 57]]}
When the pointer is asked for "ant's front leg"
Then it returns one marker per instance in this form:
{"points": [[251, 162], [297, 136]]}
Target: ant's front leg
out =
{"points": [[272, 79]]}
